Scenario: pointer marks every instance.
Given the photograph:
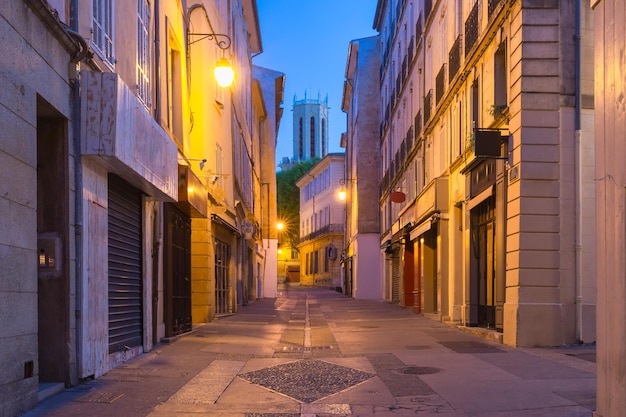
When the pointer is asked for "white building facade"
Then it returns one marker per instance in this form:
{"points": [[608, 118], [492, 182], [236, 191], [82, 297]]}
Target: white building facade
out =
{"points": [[322, 220], [487, 166]]}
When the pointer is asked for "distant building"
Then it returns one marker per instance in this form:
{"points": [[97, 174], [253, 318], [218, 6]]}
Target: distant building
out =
{"points": [[321, 223], [310, 128]]}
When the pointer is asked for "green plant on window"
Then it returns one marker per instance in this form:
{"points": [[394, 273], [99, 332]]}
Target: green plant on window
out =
{"points": [[496, 110]]}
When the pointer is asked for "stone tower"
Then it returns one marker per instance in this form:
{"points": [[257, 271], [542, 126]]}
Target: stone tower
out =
{"points": [[310, 128]]}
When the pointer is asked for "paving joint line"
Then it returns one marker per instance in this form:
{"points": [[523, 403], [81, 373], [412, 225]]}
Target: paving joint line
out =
{"points": [[307, 328]]}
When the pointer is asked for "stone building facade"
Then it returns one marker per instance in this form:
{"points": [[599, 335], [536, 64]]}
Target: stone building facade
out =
{"points": [[37, 201], [487, 129], [124, 204], [610, 37], [360, 255]]}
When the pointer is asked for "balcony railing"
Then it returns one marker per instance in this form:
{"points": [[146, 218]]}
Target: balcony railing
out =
{"points": [[428, 6], [440, 84], [333, 228], [493, 4], [454, 59], [427, 105], [471, 29], [405, 67], [418, 27], [418, 124]]}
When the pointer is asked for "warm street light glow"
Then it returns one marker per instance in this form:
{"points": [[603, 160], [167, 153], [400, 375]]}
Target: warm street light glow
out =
{"points": [[280, 226], [224, 73], [342, 194]]}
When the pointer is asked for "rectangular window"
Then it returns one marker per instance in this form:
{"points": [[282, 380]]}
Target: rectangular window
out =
{"points": [[499, 81], [308, 265], [175, 97], [326, 259], [102, 29], [143, 52]]}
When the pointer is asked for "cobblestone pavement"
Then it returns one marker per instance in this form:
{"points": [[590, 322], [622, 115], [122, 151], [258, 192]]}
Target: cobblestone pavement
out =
{"points": [[314, 352]]}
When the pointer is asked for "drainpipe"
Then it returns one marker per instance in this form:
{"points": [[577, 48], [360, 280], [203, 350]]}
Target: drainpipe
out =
{"points": [[578, 176], [78, 190]]}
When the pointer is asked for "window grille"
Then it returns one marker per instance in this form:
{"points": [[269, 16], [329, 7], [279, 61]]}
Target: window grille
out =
{"points": [[440, 83], [454, 58], [427, 105], [493, 5], [471, 29]]}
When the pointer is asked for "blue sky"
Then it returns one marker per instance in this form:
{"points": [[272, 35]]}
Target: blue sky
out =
{"points": [[308, 41]]}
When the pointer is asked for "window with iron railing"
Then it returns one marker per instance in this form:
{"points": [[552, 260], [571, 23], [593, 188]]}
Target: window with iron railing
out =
{"points": [[454, 59], [410, 49], [418, 124], [440, 83], [471, 29], [493, 4], [418, 27], [427, 105], [405, 67], [398, 82], [398, 161], [428, 6]]}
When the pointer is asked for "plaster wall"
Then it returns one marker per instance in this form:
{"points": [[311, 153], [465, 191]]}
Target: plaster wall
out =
{"points": [[35, 65], [367, 272]]}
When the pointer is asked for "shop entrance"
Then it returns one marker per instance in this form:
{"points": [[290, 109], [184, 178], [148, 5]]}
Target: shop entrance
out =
{"points": [[484, 283]]}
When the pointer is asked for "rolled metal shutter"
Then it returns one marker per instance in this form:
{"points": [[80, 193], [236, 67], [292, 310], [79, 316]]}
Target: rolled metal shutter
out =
{"points": [[395, 278], [125, 266]]}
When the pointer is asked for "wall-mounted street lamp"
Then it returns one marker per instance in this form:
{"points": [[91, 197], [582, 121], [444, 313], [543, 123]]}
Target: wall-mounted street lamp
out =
{"points": [[342, 194], [223, 71]]}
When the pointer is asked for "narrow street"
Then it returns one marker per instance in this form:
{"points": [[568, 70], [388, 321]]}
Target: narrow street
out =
{"points": [[314, 352]]}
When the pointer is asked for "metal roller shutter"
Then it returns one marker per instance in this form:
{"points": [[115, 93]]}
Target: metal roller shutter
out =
{"points": [[395, 278], [125, 266]]}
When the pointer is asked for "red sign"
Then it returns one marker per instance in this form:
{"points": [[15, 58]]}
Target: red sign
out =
{"points": [[397, 197]]}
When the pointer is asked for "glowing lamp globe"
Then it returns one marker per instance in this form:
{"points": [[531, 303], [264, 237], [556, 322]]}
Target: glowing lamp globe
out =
{"points": [[224, 73], [342, 194]]}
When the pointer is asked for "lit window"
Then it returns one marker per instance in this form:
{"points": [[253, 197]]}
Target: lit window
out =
{"points": [[102, 28]]}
